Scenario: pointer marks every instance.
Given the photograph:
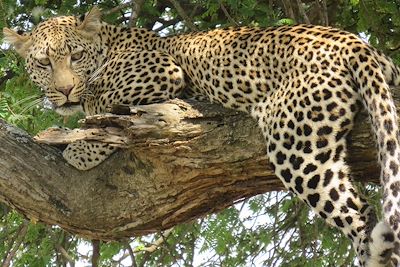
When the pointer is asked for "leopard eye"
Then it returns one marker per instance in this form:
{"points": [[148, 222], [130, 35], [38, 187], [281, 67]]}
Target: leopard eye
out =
{"points": [[44, 61], [76, 56]]}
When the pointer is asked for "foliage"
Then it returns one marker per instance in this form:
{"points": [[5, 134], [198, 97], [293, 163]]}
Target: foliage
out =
{"points": [[268, 230]]}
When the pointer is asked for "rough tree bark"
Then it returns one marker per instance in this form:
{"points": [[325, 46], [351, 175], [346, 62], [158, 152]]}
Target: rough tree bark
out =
{"points": [[181, 160]]}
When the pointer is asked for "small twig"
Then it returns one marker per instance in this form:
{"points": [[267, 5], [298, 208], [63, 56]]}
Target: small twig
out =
{"points": [[65, 255], [288, 9], [183, 15], [324, 12], [229, 17], [15, 246], [156, 244], [136, 8], [95, 253], [117, 262], [12, 236], [118, 8], [131, 254], [194, 11], [61, 246], [302, 12], [145, 258], [325, 9], [166, 24]]}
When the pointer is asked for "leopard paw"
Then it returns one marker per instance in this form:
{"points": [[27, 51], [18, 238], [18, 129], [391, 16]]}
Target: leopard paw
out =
{"points": [[381, 245], [85, 155]]}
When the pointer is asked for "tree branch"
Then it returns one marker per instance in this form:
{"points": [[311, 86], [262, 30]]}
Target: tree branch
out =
{"points": [[95, 253], [156, 243], [324, 11], [287, 6], [181, 160], [183, 15], [131, 254], [65, 255], [14, 246], [228, 16], [118, 8], [166, 24], [136, 8], [300, 7]]}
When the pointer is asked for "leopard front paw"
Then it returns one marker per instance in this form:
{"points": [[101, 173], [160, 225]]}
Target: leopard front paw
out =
{"points": [[85, 155]]}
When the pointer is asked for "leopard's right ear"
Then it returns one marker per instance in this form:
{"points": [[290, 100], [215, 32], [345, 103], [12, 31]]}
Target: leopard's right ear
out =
{"points": [[20, 42], [91, 24]]}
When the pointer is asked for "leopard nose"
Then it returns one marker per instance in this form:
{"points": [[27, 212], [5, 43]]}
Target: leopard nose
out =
{"points": [[66, 90]]}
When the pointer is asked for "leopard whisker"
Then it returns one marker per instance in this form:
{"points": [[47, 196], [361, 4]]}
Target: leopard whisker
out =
{"points": [[32, 104], [97, 73], [26, 99]]}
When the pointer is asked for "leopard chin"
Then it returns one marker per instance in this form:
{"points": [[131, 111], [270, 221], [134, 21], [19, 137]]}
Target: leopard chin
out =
{"points": [[69, 109]]}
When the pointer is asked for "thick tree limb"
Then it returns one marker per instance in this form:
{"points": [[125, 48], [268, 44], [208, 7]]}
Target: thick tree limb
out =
{"points": [[181, 161]]}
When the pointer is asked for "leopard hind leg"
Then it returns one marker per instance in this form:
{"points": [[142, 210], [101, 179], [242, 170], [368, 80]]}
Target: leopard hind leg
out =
{"points": [[309, 158]]}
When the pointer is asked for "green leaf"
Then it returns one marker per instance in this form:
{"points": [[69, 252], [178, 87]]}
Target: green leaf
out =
{"points": [[109, 250], [285, 21]]}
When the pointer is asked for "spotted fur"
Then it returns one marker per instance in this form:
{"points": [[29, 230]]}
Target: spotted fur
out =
{"points": [[303, 84]]}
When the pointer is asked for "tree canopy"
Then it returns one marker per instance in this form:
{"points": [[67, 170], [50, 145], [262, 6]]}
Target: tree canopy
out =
{"points": [[272, 229]]}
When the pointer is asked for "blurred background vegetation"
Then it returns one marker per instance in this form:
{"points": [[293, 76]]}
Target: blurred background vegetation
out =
{"points": [[273, 229]]}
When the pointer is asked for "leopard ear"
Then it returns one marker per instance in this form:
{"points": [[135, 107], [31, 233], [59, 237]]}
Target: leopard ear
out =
{"points": [[91, 24], [20, 42]]}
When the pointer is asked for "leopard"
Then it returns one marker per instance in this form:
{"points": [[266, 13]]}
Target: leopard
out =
{"points": [[302, 84]]}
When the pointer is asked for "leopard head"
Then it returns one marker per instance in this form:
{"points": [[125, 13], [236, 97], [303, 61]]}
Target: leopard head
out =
{"points": [[61, 54]]}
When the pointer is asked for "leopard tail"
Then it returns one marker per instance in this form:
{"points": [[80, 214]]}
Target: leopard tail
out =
{"points": [[374, 73]]}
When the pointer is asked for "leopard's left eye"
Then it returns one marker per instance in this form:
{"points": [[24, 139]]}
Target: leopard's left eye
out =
{"points": [[76, 56], [44, 61]]}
